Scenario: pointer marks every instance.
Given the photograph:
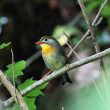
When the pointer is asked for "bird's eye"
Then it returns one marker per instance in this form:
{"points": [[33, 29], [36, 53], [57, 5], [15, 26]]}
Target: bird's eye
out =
{"points": [[46, 39]]}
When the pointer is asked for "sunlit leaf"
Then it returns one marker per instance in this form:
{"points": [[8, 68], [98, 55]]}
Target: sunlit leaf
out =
{"points": [[31, 96], [59, 31], [15, 107], [18, 67], [35, 92], [91, 6], [4, 45], [106, 11], [31, 103]]}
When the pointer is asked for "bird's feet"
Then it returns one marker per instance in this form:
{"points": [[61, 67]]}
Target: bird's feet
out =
{"points": [[67, 65], [46, 74]]}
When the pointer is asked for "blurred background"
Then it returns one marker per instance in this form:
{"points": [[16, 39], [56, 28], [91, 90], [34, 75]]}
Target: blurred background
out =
{"points": [[23, 22]]}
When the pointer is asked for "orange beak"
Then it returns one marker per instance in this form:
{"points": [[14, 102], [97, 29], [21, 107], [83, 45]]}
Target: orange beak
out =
{"points": [[38, 43]]}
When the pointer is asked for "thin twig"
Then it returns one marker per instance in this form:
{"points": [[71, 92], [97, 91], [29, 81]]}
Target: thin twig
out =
{"points": [[46, 74], [100, 95], [73, 51], [60, 72], [13, 68], [62, 107], [93, 23], [71, 47], [89, 26], [98, 22], [99, 12], [106, 88], [13, 76], [82, 39], [32, 58], [97, 48]]}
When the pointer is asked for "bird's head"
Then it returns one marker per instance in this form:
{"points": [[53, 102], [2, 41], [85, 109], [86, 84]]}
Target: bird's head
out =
{"points": [[48, 44]]}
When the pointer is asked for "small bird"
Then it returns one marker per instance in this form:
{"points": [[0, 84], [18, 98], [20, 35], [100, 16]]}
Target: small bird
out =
{"points": [[53, 55]]}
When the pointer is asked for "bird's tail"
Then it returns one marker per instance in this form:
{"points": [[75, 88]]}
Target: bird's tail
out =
{"points": [[65, 78]]}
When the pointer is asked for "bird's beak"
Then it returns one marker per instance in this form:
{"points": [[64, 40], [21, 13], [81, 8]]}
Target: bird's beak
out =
{"points": [[38, 43]]}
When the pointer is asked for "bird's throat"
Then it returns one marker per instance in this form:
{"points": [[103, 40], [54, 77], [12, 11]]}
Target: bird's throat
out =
{"points": [[47, 49]]}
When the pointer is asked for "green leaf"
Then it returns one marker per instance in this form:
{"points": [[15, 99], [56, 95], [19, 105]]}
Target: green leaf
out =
{"points": [[15, 107], [18, 67], [91, 6], [31, 96], [35, 92], [31, 103], [4, 45], [106, 11]]}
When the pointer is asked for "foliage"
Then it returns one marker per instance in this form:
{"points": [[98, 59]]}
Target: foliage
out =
{"points": [[18, 67], [106, 13], [91, 6], [91, 97], [31, 96], [2, 46], [36, 91], [78, 103]]}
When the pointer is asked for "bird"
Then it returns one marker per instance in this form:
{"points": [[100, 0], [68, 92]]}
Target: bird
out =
{"points": [[53, 55]]}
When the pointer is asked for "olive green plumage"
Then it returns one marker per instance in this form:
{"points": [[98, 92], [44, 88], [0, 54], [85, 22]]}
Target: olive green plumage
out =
{"points": [[56, 59]]}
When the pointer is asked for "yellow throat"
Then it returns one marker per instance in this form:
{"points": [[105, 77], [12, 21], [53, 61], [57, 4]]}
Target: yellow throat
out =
{"points": [[47, 49]]}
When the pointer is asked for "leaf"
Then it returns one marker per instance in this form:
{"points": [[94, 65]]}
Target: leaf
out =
{"points": [[106, 11], [35, 92], [31, 96], [15, 107], [58, 33], [91, 6], [18, 67], [4, 45], [31, 103]]}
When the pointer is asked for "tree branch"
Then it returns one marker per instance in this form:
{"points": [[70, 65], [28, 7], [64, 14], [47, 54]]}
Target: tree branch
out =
{"points": [[11, 89], [95, 43], [89, 26], [93, 24], [60, 72], [32, 58], [2, 105]]}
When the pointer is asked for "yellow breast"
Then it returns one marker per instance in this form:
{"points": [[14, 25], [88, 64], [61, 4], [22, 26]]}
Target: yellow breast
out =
{"points": [[47, 49]]}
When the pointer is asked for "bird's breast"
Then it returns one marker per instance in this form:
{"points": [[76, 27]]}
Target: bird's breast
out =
{"points": [[54, 61], [47, 49]]}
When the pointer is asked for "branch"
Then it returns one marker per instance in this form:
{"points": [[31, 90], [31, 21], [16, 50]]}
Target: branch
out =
{"points": [[93, 24], [71, 47], [2, 105], [89, 26], [19, 99], [13, 73], [95, 43], [32, 58], [11, 89], [60, 72]]}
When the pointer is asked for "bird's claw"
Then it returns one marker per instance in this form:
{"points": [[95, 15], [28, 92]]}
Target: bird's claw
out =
{"points": [[67, 65], [46, 75]]}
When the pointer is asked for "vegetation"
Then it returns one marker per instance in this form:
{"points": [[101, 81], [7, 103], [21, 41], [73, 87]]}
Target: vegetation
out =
{"points": [[67, 21]]}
